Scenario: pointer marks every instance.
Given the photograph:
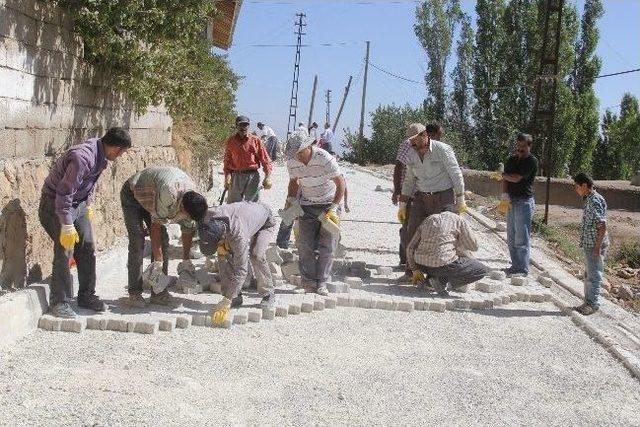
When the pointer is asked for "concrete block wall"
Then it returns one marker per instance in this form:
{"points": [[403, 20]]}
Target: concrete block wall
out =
{"points": [[49, 99]]}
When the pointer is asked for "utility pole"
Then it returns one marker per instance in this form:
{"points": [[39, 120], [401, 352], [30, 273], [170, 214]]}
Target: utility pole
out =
{"points": [[313, 100], [344, 98], [364, 96], [328, 102], [544, 109], [293, 104]]}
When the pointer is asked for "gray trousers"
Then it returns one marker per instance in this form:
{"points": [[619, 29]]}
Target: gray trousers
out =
{"points": [[244, 186], [424, 205], [257, 260], [83, 253], [458, 273], [315, 247], [134, 218], [272, 147]]}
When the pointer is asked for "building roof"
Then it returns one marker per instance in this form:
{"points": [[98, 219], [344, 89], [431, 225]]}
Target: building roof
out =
{"points": [[221, 28]]}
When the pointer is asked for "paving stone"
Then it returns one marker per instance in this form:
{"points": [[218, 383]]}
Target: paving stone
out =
{"points": [[145, 327], [282, 310], [306, 306], [273, 255], [240, 317], [295, 308], [97, 323], [421, 305], [385, 304], [338, 287], [523, 296], [131, 325], [44, 322], [506, 299], [476, 304], [344, 301], [183, 321], [167, 325], [406, 305], [318, 305], [353, 282], [438, 306], [290, 269], [330, 302], [268, 313], [518, 281], [536, 297], [488, 287], [286, 255], [295, 280], [118, 325], [465, 288], [450, 304], [488, 303], [198, 319], [361, 302], [513, 296], [497, 301], [73, 325], [208, 321], [276, 270], [254, 315], [462, 304], [498, 275], [545, 281], [385, 271], [547, 296]]}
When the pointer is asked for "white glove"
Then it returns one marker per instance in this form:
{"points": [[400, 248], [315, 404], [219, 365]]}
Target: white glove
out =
{"points": [[186, 265], [152, 274]]}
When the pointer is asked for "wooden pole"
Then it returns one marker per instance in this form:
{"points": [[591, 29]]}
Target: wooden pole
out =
{"points": [[364, 95], [313, 100], [344, 98]]}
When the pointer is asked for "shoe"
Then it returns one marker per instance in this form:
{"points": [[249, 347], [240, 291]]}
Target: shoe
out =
{"points": [[135, 300], [92, 302], [322, 290], [405, 278], [587, 310], [237, 301], [268, 301], [163, 298], [63, 310]]}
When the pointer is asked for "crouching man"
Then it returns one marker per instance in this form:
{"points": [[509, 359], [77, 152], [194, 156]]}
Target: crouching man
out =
{"points": [[154, 196], [240, 233], [436, 249], [65, 213]]}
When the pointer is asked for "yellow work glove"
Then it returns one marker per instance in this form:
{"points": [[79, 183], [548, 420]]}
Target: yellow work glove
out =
{"points": [[417, 277], [504, 204], [296, 232], [332, 216], [223, 249], [220, 312], [266, 182], [402, 212], [461, 204], [227, 181], [68, 238], [496, 176], [90, 213]]}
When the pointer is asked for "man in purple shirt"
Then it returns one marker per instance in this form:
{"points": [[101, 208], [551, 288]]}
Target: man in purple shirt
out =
{"points": [[67, 192]]}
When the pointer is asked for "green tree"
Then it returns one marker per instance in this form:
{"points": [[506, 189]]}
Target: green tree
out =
{"points": [[434, 27], [603, 162]]}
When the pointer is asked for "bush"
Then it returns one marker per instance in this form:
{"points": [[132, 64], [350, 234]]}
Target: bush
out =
{"points": [[629, 254]]}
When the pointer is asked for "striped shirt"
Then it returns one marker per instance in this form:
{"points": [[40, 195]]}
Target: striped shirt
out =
{"points": [[438, 171], [439, 239], [315, 178]]}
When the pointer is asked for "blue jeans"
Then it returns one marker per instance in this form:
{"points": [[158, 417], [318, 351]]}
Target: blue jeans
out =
{"points": [[519, 220], [593, 275], [284, 235]]}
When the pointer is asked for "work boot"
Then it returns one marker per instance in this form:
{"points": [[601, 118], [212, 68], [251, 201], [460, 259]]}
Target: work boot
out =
{"points": [[62, 310], [322, 290], [587, 310], [236, 301], [268, 301], [135, 300], [92, 302], [163, 298], [441, 288]]}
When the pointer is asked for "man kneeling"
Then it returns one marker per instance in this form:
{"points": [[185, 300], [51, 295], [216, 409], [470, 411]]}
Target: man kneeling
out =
{"points": [[240, 233], [435, 249]]}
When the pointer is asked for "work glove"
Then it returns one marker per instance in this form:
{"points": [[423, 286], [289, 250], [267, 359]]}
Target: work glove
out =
{"points": [[223, 249], [461, 204], [220, 312], [504, 204], [227, 182], [402, 212], [332, 214], [496, 176], [152, 274], [266, 182], [90, 213], [417, 277], [68, 238], [186, 266], [296, 232]]}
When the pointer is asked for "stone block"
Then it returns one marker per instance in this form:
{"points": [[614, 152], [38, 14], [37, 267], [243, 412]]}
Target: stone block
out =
{"points": [[131, 325], [295, 308], [183, 321], [518, 281], [476, 304], [289, 270], [497, 301], [208, 322], [254, 315], [199, 319], [73, 325], [273, 255], [450, 304], [97, 323], [488, 302], [338, 287], [318, 305], [488, 287], [462, 304], [330, 302], [49, 323], [118, 325], [513, 297], [282, 310], [405, 305], [505, 299], [276, 270], [523, 296], [465, 288], [240, 317], [536, 297], [353, 282], [498, 275], [268, 313], [384, 271], [421, 305], [306, 307], [146, 327], [205, 279], [286, 255], [167, 325], [385, 304], [545, 281], [344, 301], [438, 306]]}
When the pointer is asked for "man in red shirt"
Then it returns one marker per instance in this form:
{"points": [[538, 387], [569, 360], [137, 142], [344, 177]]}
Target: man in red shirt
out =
{"points": [[244, 154]]}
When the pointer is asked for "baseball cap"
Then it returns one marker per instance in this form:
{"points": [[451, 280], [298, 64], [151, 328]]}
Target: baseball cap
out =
{"points": [[415, 129], [297, 142], [242, 120]]}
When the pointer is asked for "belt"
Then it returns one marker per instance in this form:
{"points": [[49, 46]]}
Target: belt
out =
{"points": [[432, 193], [246, 171]]}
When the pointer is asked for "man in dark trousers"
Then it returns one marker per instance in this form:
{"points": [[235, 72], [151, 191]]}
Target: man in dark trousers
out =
{"points": [[517, 203]]}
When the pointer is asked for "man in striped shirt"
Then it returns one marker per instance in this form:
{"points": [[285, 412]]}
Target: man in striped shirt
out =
{"points": [[314, 177]]}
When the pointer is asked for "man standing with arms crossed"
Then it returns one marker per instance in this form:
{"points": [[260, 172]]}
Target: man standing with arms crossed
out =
{"points": [[243, 156]]}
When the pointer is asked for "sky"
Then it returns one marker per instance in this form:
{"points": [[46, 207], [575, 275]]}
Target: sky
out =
{"points": [[336, 32]]}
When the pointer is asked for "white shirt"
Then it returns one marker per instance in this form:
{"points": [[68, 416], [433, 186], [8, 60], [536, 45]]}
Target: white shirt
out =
{"points": [[304, 129], [265, 133], [438, 171], [327, 135], [316, 177]]}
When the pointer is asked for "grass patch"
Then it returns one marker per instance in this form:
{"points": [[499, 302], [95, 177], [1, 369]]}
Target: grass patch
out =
{"points": [[629, 254], [557, 237]]}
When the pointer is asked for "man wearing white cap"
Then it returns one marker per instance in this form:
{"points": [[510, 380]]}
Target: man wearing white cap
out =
{"points": [[315, 176]]}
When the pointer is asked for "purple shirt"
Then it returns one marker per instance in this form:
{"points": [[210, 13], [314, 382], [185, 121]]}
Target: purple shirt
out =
{"points": [[73, 176]]}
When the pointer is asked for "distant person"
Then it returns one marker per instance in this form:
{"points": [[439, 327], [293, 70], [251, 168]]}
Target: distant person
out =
{"points": [[243, 156], [313, 132], [517, 203], [303, 128], [269, 139], [66, 214], [594, 241], [326, 139]]}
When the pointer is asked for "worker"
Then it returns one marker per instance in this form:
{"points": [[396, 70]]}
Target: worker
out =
{"points": [[302, 128], [243, 156], [67, 216], [433, 181], [154, 197], [313, 132], [240, 233], [315, 177], [435, 250], [517, 203], [269, 140], [326, 139]]}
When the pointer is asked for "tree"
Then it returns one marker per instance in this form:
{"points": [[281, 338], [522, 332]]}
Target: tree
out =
{"points": [[603, 161], [434, 27]]}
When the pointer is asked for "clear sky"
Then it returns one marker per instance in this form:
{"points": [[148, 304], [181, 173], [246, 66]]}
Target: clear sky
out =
{"points": [[345, 25]]}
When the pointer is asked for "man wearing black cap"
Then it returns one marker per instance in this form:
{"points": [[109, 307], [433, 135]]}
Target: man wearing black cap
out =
{"points": [[243, 156]]}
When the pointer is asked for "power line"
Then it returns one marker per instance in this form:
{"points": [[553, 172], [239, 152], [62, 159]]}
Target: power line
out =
{"points": [[302, 45], [618, 73]]}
